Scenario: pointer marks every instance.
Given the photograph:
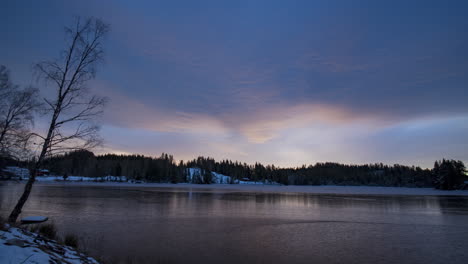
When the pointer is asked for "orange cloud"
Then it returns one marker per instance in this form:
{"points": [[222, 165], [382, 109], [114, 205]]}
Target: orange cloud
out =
{"points": [[258, 124], [267, 123]]}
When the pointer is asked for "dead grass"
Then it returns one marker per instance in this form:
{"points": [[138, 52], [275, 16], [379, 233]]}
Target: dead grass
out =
{"points": [[48, 230], [2, 223], [71, 240]]}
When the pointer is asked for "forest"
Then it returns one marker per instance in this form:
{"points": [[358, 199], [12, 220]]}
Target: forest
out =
{"points": [[446, 174]]}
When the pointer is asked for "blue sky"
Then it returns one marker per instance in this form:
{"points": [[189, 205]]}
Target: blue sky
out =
{"points": [[283, 82]]}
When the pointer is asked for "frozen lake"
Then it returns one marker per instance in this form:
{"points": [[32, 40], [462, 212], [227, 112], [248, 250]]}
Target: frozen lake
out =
{"points": [[185, 224]]}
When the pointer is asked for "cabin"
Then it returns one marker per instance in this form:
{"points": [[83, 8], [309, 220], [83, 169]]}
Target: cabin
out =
{"points": [[42, 172], [15, 172]]}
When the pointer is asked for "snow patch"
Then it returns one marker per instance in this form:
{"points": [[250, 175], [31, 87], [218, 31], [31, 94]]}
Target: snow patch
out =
{"points": [[20, 246], [277, 188], [34, 219], [197, 175], [82, 178]]}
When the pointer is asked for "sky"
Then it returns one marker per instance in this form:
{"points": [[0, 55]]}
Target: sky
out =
{"points": [[278, 82]]}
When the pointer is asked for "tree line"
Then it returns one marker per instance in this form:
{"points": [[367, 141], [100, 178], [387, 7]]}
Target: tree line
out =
{"points": [[446, 174]]}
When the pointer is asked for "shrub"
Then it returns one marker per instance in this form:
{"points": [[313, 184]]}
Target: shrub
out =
{"points": [[71, 240], [2, 224], [32, 228], [48, 230]]}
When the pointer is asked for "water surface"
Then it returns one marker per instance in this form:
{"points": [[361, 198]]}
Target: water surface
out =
{"points": [[135, 224]]}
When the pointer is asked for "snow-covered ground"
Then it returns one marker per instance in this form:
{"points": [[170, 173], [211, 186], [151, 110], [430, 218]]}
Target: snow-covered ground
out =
{"points": [[20, 246], [81, 178], [195, 175], [323, 189], [226, 183]]}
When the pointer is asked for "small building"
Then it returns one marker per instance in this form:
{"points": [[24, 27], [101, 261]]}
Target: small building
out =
{"points": [[14, 172], [42, 172]]}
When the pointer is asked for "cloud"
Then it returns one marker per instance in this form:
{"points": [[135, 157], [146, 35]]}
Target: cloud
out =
{"points": [[266, 124], [124, 111], [258, 125], [298, 84]]}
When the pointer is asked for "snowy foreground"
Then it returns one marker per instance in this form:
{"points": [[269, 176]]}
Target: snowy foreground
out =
{"points": [[20, 246]]}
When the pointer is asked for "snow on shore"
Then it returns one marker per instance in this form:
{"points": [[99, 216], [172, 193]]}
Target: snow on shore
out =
{"points": [[81, 178], [222, 182], [322, 189], [20, 246], [195, 175]]}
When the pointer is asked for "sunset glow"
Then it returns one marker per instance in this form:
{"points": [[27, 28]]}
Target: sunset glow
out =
{"points": [[266, 81]]}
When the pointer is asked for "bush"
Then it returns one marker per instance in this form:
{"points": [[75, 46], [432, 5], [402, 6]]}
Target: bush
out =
{"points": [[32, 228], [48, 230], [2, 223], [71, 240]]}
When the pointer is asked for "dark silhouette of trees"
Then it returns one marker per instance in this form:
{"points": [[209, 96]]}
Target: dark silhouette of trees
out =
{"points": [[17, 109], [72, 110], [446, 174], [449, 174], [165, 169], [118, 170]]}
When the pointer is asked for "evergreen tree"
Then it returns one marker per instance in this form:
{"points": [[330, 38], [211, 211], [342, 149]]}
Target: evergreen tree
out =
{"points": [[449, 174]]}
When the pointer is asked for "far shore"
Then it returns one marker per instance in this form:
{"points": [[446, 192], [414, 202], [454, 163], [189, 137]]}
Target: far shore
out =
{"points": [[309, 189]]}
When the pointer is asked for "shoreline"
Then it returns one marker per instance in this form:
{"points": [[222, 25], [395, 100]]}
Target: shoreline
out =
{"points": [[264, 188]]}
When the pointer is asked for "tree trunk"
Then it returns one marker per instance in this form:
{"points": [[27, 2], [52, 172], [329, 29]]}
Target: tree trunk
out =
{"points": [[32, 178], [24, 197], [80, 58]]}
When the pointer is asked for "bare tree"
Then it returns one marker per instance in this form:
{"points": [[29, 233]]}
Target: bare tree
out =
{"points": [[17, 108], [5, 82], [16, 120], [72, 110], [6, 87]]}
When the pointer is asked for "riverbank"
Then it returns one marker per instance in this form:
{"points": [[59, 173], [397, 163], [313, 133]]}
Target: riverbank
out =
{"points": [[309, 189], [21, 246]]}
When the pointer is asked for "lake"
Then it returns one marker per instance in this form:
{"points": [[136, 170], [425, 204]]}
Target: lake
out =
{"points": [[181, 224]]}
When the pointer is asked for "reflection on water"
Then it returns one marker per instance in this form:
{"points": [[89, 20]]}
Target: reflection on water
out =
{"points": [[180, 224]]}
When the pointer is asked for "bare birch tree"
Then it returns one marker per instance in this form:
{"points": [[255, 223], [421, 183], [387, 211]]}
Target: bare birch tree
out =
{"points": [[72, 110]]}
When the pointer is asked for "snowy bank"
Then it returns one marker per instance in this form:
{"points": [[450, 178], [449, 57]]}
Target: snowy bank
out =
{"points": [[322, 189], [21, 246], [81, 178], [197, 175]]}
